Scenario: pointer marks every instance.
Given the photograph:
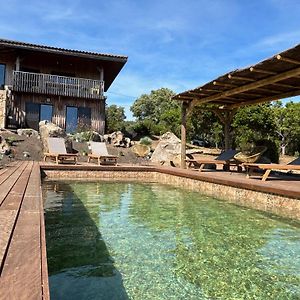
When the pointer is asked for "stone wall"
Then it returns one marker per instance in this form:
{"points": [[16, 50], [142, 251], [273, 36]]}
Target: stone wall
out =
{"points": [[2, 108], [275, 204]]}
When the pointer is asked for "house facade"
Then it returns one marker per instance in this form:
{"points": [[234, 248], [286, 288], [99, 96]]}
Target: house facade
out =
{"points": [[59, 85]]}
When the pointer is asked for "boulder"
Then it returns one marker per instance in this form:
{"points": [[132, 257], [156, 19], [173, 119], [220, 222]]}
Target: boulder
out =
{"points": [[4, 147], [28, 132], [141, 150], [48, 129], [118, 140], [97, 137], [167, 150]]}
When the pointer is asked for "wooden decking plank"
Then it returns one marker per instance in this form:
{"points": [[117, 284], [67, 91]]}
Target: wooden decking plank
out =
{"points": [[9, 182], [7, 219], [8, 170], [19, 182], [11, 208], [24, 274], [32, 197], [22, 268]]}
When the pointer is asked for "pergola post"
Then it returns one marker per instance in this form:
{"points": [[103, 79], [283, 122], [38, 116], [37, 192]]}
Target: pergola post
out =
{"points": [[227, 122], [184, 111]]}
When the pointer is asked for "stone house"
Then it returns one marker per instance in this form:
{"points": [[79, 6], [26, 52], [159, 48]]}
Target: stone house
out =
{"points": [[63, 86]]}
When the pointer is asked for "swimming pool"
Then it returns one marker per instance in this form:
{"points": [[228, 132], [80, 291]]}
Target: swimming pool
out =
{"points": [[122, 240]]}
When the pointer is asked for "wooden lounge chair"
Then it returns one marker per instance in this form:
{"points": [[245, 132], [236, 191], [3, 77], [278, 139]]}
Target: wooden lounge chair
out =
{"points": [[99, 152], [293, 165], [225, 159], [57, 151]]}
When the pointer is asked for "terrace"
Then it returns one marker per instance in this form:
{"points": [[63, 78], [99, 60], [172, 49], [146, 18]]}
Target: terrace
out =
{"points": [[57, 85]]}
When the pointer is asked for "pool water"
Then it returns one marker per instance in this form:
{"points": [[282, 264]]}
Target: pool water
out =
{"points": [[149, 241]]}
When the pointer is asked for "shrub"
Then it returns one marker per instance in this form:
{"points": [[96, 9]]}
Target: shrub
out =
{"points": [[146, 141]]}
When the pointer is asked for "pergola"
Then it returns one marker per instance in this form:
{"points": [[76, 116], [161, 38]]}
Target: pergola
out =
{"points": [[275, 78]]}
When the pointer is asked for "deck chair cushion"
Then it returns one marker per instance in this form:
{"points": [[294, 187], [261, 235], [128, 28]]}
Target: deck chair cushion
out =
{"points": [[56, 145]]}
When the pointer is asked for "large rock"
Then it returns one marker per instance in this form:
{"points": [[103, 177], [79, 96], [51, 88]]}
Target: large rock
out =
{"points": [[141, 150], [167, 150], [28, 132], [4, 147], [117, 139], [48, 129]]}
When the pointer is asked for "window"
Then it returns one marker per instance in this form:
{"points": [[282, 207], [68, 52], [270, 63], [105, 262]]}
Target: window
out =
{"points": [[2, 76], [84, 118], [36, 112], [32, 111], [46, 111], [78, 118], [71, 119]]}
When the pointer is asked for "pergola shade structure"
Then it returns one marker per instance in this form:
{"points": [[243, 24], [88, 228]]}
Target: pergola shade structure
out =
{"points": [[272, 79]]}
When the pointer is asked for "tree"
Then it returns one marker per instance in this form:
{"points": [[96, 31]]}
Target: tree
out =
{"points": [[288, 126], [252, 123], [203, 123], [156, 112], [115, 117]]}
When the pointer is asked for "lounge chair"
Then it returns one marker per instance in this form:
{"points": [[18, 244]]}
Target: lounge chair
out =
{"points": [[291, 166], [57, 151], [99, 152], [251, 156], [225, 159]]}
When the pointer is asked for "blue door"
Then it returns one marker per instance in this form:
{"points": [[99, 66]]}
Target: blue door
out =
{"points": [[46, 112], [71, 119]]}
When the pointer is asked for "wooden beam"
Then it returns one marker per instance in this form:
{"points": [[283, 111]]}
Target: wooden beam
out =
{"points": [[289, 60], [253, 85], [18, 63], [285, 85], [240, 78], [269, 90], [224, 84], [266, 99], [256, 70], [184, 110], [196, 94]]}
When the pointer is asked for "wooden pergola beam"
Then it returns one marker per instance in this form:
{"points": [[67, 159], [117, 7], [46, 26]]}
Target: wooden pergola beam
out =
{"points": [[254, 69], [250, 86], [266, 99], [285, 85], [240, 78], [289, 60]]}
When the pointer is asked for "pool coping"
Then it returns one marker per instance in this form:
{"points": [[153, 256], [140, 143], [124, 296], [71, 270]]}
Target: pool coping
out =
{"points": [[242, 183]]}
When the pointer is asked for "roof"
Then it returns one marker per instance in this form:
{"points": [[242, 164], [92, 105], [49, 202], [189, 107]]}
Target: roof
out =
{"points": [[275, 78], [111, 63], [57, 50]]}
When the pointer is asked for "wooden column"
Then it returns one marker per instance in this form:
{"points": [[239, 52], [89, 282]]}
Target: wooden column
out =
{"points": [[184, 111], [227, 131], [18, 63]]}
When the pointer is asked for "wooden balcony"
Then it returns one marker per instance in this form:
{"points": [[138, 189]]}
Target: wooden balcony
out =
{"points": [[57, 85]]}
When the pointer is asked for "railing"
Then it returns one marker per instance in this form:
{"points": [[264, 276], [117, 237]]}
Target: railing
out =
{"points": [[57, 85]]}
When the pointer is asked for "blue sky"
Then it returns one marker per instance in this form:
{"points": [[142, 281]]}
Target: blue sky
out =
{"points": [[170, 43]]}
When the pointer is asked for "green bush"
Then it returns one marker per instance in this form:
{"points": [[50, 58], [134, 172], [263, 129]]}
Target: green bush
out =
{"points": [[145, 141]]}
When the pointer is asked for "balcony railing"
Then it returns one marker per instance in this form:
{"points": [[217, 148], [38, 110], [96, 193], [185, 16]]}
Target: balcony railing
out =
{"points": [[57, 85]]}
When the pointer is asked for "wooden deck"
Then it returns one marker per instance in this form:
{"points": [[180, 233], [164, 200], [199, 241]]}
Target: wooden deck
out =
{"points": [[23, 263]]}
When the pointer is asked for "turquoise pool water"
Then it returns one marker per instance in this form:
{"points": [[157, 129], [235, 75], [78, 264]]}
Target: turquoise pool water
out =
{"points": [[149, 241]]}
